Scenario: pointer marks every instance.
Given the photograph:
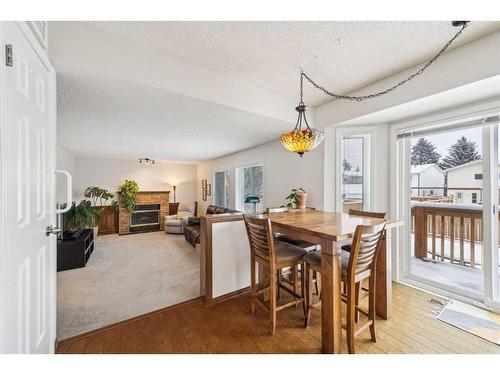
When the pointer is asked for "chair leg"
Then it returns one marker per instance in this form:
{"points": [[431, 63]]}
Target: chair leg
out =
{"points": [[272, 301], [350, 316], [308, 293], [295, 274], [303, 288], [253, 290], [371, 306], [278, 276], [315, 278], [356, 301]]}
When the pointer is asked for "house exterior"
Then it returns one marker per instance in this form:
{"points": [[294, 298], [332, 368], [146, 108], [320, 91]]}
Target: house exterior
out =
{"points": [[427, 180], [465, 182]]}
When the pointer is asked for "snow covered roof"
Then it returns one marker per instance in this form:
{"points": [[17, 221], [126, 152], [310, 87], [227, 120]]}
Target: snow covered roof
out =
{"points": [[420, 168], [464, 165]]}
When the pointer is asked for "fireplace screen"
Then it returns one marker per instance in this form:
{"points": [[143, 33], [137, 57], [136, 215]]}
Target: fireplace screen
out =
{"points": [[141, 218]]}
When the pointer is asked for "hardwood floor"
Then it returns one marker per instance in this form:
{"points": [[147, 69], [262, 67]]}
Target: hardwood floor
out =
{"points": [[228, 327]]}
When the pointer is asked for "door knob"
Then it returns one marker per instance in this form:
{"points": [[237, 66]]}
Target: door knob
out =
{"points": [[52, 230]]}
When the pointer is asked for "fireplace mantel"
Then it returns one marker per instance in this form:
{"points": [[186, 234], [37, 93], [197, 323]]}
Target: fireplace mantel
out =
{"points": [[143, 197]]}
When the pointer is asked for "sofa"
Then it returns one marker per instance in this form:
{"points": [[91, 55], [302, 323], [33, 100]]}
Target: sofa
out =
{"points": [[175, 223], [192, 230]]}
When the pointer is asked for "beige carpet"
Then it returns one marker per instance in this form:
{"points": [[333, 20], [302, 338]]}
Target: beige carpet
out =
{"points": [[126, 276]]}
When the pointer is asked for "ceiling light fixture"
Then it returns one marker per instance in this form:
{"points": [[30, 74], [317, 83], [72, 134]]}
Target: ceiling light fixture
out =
{"points": [[303, 138], [146, 161]]}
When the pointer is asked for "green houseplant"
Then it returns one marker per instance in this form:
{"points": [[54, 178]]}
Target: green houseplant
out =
{"points": [[296, 199], [99, 198], [128, 191], [80, 215]]}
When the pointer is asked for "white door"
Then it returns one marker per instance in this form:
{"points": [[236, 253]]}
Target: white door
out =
{"points": [[27, 254]]}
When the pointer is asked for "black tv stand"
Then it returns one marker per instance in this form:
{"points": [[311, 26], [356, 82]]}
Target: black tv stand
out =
{"points": [[74, 253]]}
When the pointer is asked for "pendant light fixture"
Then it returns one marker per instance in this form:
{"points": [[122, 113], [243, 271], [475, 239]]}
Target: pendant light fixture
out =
{"points": [[303, 138]]}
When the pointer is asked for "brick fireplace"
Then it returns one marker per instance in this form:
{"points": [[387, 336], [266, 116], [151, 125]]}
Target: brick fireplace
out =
{"points": [[144, 198]]}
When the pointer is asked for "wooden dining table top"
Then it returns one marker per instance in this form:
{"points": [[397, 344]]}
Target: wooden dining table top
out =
{"points": [[333, 226]]}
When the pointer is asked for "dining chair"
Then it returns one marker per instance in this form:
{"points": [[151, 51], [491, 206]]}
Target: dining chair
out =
{"points": [[358, 265], [308, 246], [372, 214], [347, 246], [273, 255]]}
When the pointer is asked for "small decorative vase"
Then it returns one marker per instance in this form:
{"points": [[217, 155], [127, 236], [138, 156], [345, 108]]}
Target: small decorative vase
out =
{"points": [[301, 200]]}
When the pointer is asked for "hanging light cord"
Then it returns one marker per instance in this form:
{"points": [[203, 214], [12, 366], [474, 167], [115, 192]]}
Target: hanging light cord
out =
{"points": [[463, 25]]}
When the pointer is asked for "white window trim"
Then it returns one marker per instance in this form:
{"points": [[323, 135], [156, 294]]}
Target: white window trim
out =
{"points": [[369, 134]]}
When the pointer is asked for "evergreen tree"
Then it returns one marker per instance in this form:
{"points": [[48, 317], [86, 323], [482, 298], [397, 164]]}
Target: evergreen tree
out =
{"points": [[424, 152], [346, 165], [461, 152]]}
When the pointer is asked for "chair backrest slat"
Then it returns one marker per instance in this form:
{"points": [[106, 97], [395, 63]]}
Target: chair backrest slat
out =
{"points": [[260, 238], [365, 247]]}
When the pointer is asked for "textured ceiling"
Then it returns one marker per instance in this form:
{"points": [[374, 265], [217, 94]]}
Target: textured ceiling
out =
{"points": [[110, 118], [342, 56], [114, 118]]}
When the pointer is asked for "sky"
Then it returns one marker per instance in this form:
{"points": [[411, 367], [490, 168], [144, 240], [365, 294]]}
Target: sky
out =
{"points": [[443, 141]]}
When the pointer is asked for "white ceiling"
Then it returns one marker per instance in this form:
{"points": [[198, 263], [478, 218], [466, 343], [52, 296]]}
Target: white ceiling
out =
{"points": [[105, 116], [341, 56], [110, 118]]}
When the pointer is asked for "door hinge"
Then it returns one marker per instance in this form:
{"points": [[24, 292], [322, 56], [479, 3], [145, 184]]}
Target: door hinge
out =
{"points": [[9, 58]]}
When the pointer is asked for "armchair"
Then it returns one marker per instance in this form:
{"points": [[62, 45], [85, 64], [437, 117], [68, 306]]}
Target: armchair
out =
{"points": [[176, 223]]}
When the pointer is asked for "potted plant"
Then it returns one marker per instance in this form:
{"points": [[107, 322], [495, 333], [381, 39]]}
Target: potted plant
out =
{"points": [[128, 192], [101, 196], [80, 215], [296, 199]]}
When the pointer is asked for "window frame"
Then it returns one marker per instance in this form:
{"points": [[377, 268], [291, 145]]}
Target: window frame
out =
{"points": [[238, 205], [367, 133], [227, 189]]}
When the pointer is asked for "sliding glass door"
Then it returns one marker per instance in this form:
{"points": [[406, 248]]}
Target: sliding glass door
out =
{"points": [[450, 189]]}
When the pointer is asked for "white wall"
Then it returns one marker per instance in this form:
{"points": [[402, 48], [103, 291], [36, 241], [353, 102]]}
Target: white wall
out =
{"points": [[282, 172], [110, 173], [67, 162]]}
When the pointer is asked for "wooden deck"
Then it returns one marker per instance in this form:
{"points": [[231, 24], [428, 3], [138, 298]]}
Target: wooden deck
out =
{"points": [[228, 327]]}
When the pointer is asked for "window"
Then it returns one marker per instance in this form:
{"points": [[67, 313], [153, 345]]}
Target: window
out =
{"points": [[249, 182], [221, 188], [354, 186], [460, 197], [478, 176], [474, 197]]}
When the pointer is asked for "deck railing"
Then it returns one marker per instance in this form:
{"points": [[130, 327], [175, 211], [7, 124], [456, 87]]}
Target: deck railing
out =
{"points": [[455, 232]]}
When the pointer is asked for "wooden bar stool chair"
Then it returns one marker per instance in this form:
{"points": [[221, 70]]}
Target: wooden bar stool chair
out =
{"points": [[376, 215], [358, 265], [274, 255], [347, 247], [308, 246]]}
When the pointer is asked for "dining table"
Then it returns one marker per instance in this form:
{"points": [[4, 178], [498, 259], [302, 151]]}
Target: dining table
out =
{"points": [[331, 230]]}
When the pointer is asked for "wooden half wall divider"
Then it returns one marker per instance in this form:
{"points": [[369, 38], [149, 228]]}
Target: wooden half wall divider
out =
{"points": [[224, 257]]}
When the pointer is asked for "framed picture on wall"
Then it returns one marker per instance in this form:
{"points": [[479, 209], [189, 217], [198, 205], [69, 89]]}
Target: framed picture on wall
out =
{"points": [[209, 189], [204, 195], [204, 184]]}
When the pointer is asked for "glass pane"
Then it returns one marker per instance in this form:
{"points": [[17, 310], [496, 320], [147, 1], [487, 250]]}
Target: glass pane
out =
{"points": [[251, 180], [351, 187], [446, 209], [221, 191]]}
